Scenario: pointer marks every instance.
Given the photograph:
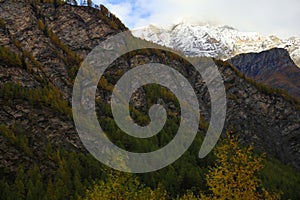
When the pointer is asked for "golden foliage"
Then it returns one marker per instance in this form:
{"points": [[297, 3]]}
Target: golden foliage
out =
{"points": [[235, 174], [123, 186]]}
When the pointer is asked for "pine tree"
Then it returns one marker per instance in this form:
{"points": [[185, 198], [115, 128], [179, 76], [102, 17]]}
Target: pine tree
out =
{"points": [[35, 184], [19, 185], [89, 3], [50, 191]]}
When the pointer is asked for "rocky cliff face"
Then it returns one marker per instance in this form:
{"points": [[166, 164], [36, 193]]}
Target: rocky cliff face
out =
{"points": [[274, 68], [48, 42], [43, 45], [51, 39], [267, 120]]}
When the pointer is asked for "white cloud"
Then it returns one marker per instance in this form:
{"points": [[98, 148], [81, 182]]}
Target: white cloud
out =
{"points": [[268, 17]]}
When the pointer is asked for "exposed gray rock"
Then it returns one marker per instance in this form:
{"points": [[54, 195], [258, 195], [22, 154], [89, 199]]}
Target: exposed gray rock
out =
{"points": [[269, 121]]}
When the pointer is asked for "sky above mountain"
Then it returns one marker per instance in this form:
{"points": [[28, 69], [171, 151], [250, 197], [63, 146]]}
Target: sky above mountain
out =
{"points": [[268, 17]]}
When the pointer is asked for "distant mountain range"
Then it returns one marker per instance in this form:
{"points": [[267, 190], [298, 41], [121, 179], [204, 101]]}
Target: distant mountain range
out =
{"points": [[224, 42], [267, 60]]}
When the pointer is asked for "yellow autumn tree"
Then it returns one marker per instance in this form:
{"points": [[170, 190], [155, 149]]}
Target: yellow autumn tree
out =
{"points": [[235, 174], [123, 186]]}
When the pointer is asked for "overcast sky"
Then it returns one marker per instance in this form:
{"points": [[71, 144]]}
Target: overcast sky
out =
{"points": [[268, 17]]}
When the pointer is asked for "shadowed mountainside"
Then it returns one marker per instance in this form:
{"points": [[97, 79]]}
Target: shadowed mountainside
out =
{"points": [[274, 68]]}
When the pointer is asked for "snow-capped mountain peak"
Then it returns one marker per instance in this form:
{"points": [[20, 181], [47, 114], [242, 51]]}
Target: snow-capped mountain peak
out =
{"points": [[224, 42]]}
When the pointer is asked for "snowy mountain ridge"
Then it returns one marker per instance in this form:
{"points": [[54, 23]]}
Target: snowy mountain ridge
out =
{"points": [[224, 42]]}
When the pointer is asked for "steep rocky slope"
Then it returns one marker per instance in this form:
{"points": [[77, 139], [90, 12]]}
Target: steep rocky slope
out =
{"points": [[273, 67], [51, 39], [42, 45], [256, 112]]}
